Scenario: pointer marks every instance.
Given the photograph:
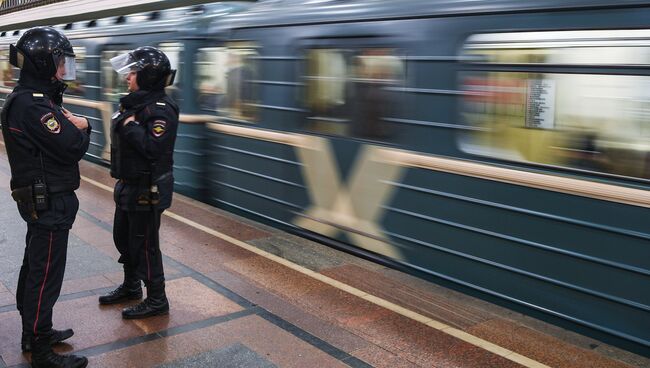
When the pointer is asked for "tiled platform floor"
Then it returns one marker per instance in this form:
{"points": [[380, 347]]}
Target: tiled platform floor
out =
{"points": [[234, 308]]}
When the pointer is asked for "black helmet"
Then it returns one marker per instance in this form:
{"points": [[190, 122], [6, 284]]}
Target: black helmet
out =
{"points": [[40, 50], [154, 72]]}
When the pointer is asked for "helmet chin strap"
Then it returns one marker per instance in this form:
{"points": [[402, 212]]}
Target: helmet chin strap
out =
{"points": [[170, 78], [60, 89]]}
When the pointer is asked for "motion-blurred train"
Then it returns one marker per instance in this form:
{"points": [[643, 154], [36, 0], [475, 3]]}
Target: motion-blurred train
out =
{"points": [[500, 146]]}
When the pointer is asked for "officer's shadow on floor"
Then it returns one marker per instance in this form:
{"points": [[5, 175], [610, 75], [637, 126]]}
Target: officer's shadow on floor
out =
{"points": [[60, 348], [63, 347], [147, 325]]}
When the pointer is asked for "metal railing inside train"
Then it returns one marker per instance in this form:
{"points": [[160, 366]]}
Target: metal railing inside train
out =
{"points": [[10, 6]]}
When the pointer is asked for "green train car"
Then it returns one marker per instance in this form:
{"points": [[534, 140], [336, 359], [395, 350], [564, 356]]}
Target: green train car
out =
{"points": [[500, 147]]}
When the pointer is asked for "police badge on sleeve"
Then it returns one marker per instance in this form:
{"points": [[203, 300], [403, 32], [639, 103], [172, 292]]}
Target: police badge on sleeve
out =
{"points": [[50, 123], [158, 128]]}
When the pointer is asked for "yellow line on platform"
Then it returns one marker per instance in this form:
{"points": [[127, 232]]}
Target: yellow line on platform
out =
{"points": [[459, 334]]}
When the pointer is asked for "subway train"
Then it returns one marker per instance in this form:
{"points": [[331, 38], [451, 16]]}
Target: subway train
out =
{"points": [[500, 147]]}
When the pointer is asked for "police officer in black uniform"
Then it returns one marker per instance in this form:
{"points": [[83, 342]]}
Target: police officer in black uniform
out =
{"points": [[143, 134], [44, 144]]}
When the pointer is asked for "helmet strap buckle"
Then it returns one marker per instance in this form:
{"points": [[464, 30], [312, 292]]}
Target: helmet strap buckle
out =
{"points": [[170, 78]]}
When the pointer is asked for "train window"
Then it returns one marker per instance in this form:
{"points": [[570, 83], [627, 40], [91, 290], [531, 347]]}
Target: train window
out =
{"points": [[113, 85], [174, 52], [77, 86], [594, 116], [210, 77], [9, 73], [348, 91], [327, 92], [225, 81]]}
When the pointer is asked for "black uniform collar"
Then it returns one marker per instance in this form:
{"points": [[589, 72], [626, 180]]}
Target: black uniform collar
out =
{"points": [[139, 99], [53, 89]]}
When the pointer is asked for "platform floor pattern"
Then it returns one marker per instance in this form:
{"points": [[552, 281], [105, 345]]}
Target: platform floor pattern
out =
{"points": [[233, 308]]}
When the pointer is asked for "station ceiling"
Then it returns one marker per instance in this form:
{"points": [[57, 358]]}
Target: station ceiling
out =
{"points": [[77, 10]]}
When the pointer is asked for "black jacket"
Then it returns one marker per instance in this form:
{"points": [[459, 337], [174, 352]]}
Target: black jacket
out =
{"points": [[142, 151], [41, 143]]}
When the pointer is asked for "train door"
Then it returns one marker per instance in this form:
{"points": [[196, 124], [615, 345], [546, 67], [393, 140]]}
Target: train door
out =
{"points": [[223, 81], [350, 93]]}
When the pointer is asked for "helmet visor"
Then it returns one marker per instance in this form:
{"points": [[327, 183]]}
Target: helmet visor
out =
{"points": [[70, 68], [125, 63], [68, 63]]}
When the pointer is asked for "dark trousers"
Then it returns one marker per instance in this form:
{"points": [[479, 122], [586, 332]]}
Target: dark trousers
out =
{"points": [[136, 237], [41, 275]]}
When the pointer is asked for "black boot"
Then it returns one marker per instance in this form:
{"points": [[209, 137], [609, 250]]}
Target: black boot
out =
{"points": [[44, 357], [54, 336], [156, 304], [130, 289]]}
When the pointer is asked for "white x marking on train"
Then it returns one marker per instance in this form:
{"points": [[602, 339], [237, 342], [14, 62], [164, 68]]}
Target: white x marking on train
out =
{"points": [[355, 207]]}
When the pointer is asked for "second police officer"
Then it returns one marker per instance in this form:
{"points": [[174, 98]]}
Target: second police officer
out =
{"points": [[44, 144], [143, 133]]}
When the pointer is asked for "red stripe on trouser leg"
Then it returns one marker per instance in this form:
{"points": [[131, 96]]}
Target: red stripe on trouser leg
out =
{"points": [[146, 252], [47, 270]]}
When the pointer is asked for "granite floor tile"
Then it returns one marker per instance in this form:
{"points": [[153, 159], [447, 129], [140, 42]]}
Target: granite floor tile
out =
{"points": [[275, 277], [412, 340], [464, 355], [330, 253], [277, 345], [233, 356], [267, 342], [309, 256], [382, 358], [171, 271], [440, 308], [453, 296], [223, 224], [97, 202], [96, 172], [343, 308], [164, 350], [203, 252], [10, 332], [189, 301], [94, 325], [92, 233], [85, 260], [3, 288], [295, 314], [87, 283], [116, 278], [539, 346], [7, 298]]}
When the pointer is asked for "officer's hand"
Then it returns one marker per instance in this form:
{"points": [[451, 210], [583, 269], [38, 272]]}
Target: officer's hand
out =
{"points": [[78, 121], [129, 119]]}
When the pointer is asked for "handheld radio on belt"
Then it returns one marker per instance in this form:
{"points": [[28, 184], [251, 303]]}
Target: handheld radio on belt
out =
{"points": [[40, 190]]}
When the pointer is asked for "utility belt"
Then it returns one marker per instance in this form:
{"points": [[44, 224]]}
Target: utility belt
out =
{"points": [[147, 190], [130, 181], [33, 198]]}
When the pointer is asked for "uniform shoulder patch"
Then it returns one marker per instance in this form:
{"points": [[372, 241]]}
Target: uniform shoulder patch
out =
{"points": [[158, 128], [50, 123]]}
